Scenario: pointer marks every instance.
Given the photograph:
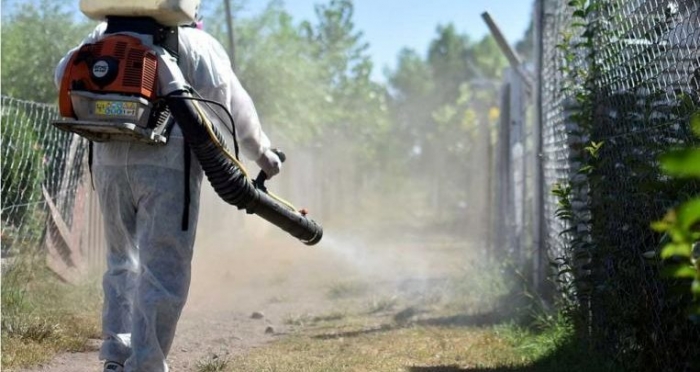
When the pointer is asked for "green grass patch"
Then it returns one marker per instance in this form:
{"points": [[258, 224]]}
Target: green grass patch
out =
{"points": [[480, 286], [42, 316], [551, 344]]}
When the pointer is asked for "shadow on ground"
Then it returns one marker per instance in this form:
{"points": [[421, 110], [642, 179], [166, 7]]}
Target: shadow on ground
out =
{"points": [[572, 356], [350, 334], [401, 320], [475, 320]]}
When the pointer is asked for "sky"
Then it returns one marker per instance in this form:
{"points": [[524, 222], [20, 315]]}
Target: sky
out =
{"points": [[391, 25]]}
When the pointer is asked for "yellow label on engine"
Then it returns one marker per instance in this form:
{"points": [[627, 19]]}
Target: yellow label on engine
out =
{"points": [[115, 108]]}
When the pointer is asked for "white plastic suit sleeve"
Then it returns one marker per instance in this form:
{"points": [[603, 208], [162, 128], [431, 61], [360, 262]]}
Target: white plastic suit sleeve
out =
{"points": [[209, 66]]}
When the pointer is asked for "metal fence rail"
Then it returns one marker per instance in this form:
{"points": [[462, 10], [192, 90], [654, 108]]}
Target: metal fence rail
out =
{"points": [[514, 173]]}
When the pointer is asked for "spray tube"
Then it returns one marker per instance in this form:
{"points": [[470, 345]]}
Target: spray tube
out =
{"points": [[225, 173]]}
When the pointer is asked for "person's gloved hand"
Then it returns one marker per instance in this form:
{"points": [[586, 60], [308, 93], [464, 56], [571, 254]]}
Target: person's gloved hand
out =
{"points": [[270, 163]]}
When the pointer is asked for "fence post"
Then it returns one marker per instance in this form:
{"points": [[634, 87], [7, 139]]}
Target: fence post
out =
{"points": [[538, 226]]}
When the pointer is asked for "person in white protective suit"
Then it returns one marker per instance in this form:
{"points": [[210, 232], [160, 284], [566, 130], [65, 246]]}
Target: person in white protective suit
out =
{"points": [[141, 190]]}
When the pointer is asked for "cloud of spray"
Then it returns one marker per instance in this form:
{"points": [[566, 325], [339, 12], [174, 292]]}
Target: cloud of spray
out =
{"points": [[371, 259]]}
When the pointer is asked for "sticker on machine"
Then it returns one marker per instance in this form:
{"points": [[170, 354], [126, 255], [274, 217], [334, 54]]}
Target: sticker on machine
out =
{"points": [[100, 69], [115, 108]]}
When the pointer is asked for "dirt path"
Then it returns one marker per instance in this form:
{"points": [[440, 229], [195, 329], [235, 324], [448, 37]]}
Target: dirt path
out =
{"points": [[229, 284], [271, 273]]}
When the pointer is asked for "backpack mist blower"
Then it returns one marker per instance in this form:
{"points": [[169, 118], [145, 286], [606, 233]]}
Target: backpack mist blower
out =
{"points": [[123, 88]]}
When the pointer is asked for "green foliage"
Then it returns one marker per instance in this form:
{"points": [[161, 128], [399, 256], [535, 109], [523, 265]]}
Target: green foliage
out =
{"points": [[682, 224], [489, 62], [310, 80], [684, 162], [449, 57], [412, 84], [573, 275], [358, 111], [444, 107], [35, 36], [544, 338], [553, 345], [609, 199], [276, 65]]}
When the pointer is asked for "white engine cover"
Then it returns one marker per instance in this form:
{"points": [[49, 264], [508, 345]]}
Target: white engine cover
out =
{"points": [[165, 12]]}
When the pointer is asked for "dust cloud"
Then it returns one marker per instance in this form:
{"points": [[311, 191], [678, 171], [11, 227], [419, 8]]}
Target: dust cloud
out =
{"points": [[407, 239]]}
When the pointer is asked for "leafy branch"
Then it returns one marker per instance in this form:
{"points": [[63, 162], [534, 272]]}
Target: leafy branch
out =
{"points": [[681, 225]]}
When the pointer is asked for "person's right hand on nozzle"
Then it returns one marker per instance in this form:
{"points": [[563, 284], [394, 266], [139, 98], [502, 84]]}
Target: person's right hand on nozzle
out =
{"points": [[270, 163]]}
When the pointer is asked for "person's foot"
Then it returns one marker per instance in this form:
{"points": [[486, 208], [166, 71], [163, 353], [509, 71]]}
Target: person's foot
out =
{"points": [[113, 367]]}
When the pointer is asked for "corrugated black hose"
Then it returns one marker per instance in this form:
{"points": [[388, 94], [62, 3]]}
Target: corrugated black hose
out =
{"points": [[228, 179]]}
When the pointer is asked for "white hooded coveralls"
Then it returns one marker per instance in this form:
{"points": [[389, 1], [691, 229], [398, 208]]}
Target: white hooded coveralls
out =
{"points": [[141, 190]]}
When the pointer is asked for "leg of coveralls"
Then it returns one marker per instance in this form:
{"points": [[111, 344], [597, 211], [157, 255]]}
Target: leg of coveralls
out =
{"points": [[165, 253], [119, 281]]}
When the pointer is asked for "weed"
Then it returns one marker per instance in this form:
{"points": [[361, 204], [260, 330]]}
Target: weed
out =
{"points": [[537, 343], [213, 363], [28, 328], [42, 317], [479, 287], [551, 344]]}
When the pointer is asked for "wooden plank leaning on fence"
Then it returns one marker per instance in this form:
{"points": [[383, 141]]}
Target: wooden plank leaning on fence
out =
{"points": [[76, 250]]}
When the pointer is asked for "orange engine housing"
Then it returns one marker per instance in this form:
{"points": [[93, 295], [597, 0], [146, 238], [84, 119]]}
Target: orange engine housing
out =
{"points": [[116, 64]]}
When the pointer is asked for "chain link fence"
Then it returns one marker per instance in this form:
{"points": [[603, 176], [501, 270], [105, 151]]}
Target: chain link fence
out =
{"points": [[639, 79], [46, 195]]}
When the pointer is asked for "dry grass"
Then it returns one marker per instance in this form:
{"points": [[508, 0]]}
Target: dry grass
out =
{"points": [[425, 344], [42, 317], [60, 334], [213, 363], [382, 349], [448, 325]]}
